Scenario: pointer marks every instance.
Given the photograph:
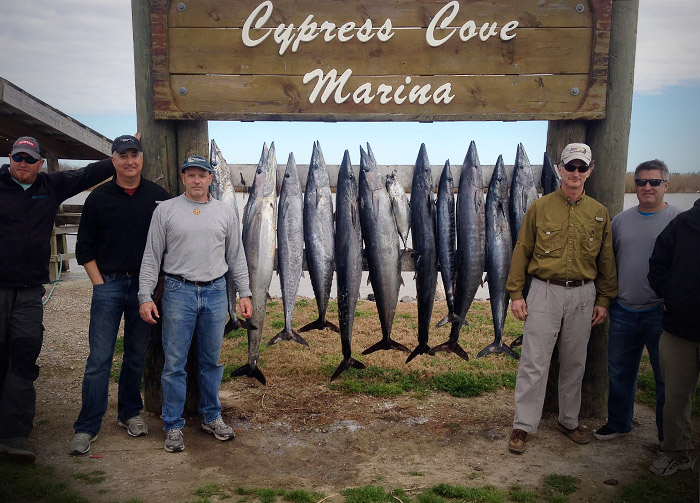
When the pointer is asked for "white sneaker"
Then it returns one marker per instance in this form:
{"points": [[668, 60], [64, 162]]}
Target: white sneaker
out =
{"points": [[666, 466], [219, 429], [135, 426]]}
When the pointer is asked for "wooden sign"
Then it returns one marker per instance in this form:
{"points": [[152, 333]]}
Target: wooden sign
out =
{"points": [[382, 60]]}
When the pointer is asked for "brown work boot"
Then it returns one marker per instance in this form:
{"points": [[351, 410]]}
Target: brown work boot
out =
{"points": [[518, 438], [576, 434]]}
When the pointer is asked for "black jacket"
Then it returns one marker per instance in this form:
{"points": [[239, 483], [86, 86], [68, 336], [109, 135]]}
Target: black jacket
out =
{"points": [[674, 274], [114, 226], [27, 218]]}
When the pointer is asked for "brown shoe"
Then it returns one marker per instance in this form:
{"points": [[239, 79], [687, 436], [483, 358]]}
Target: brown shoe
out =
{"points": [[518, 438], [576, 434]]}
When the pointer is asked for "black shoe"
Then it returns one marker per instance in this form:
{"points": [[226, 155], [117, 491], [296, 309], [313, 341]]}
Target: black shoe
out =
{"points": [[16, 448], [605, 432]]}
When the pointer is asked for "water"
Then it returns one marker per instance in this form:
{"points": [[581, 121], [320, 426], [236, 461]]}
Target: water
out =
{"points": [[683, 201]]}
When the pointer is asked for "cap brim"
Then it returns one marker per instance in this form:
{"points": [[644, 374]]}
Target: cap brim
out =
{"points": [[27, 151]]}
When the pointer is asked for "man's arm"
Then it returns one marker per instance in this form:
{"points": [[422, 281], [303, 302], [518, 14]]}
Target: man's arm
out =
{"points": [[606, 277], [150, 267], [661, 258], [77, 180], [93, 272]]}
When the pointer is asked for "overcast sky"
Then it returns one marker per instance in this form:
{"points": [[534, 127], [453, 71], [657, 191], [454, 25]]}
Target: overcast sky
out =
{"points": [[77, 55]]}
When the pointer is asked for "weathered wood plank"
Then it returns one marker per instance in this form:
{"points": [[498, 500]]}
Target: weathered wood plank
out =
{"points": [[197, 51], [285, 98], [530, 13]]}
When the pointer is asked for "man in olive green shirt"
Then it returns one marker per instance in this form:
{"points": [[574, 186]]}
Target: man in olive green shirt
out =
{"points": [[565, 244]]}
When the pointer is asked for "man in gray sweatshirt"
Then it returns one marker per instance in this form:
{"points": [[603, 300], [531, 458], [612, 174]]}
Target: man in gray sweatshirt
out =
{"points": [[196, 241], [635, 316]]}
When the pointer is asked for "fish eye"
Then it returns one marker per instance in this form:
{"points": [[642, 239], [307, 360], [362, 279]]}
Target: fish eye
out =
{"points": [[259, 171], [287, 175]]}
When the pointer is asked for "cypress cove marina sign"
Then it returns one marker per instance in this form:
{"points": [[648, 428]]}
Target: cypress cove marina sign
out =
{"points": [[406, 60]]}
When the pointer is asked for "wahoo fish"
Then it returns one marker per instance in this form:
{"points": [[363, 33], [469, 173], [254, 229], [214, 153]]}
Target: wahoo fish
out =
{"points": [[522, 194], [348, 259], [446, 241], [259, 242], [381, 247], [424, 247], [470, 245], [221, 188], [319, 236], [499, 250], [400, 206], [550, 179], [290, 246]]}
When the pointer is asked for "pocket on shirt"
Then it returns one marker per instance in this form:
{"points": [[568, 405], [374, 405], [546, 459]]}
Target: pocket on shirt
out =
{"points": [[592, 237], [549, 240]]}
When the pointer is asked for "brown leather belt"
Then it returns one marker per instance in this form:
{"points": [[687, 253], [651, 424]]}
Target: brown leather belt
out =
{"points": [[567, 283]]}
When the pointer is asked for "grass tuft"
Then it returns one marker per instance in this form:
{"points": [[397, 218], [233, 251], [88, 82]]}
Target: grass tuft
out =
{"points": [[367, 494]]}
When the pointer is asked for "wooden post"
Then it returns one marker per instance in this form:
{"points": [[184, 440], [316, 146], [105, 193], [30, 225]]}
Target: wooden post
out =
{"points": [[165, 144], [609, 141]]}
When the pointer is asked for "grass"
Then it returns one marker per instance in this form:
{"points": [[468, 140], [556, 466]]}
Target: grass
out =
{"points": [[29, 483], [680, 487], [93, 477]]}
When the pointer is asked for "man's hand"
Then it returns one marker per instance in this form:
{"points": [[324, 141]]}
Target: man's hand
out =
{"points": [[246, 307], [599, 315], [519, 309], [149, 312]]}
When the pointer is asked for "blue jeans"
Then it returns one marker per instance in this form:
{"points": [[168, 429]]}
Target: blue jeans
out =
{"points": [[628, 334], [116, 296], [186, 308]]}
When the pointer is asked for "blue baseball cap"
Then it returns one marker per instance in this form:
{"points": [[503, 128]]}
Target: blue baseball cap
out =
{"points": [[196, 161]]}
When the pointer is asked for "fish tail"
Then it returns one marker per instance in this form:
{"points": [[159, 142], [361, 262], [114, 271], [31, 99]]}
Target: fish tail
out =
{"points": [[288, 335], [320, 324], [517, 342], [386, 344], [246, 370], [499, 348], [451, 318], [346, 364], [421, 349], [452, 347]]}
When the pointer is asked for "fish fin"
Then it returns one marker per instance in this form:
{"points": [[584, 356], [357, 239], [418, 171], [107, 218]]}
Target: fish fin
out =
{"points": [[498, 347], [386, 344], [368, 282], [240, 323], [346, 364], [288, 336], [319, 325], [517, 342], [245, 370], [451, 318], [421, 349], [452, 347]]}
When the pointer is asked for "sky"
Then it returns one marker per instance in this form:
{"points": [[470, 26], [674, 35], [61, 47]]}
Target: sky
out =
{"points": [[77, 55]]}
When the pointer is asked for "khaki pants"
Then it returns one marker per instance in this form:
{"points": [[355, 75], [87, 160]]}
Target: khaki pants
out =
{"points": [[680, 366], [554, 312]]}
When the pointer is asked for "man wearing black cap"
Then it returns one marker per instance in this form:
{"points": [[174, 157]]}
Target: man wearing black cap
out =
{"points": [[196, 241], [111, 239], [29, 200]]}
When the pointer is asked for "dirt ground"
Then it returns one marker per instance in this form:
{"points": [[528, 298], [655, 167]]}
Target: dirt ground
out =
{"points": [[297, 433]]}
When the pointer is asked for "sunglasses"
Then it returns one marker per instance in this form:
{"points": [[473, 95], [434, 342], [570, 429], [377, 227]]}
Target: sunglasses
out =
{"points": [[571, 168], [28, 159], [654, 182]]}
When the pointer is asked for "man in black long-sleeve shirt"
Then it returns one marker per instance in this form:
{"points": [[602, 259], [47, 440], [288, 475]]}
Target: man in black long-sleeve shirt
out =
{"points": [[29, 200], [111, 240]]}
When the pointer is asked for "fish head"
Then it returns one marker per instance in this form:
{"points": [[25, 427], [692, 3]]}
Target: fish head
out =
{"points": [[369, 171], [290, 180], [318, 173], [261, 171], [471, 176], [422, 171], [499, 180]]}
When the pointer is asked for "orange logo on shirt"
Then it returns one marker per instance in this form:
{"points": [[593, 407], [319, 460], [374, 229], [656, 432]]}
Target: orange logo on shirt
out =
{"points": [[196, 212]]}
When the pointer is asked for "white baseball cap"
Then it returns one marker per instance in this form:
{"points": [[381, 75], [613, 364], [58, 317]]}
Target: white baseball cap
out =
{"points": [[579, 151]]}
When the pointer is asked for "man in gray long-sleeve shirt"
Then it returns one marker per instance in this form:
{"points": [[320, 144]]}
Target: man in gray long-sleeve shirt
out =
{"points": [[196, 241]]}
